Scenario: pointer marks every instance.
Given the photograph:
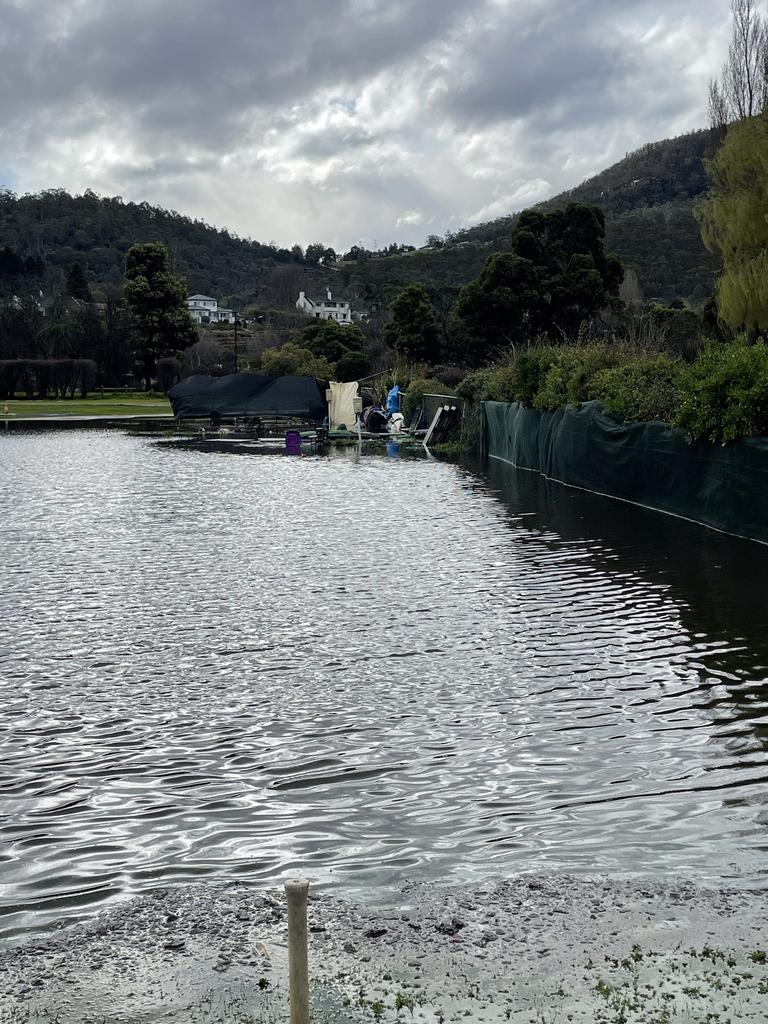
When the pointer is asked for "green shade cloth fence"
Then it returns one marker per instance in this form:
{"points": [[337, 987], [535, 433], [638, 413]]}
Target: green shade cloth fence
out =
{"points": [[649, 464]]}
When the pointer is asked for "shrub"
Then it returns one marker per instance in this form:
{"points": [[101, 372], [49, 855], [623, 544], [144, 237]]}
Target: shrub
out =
{"points": [[724, 393], [292, 360], [530, 368], [451, 376], [500, 386], [415, 394], [646, 388], [568, 379], [474, 387]]}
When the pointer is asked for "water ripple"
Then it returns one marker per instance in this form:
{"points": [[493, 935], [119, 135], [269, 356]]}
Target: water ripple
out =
{"points": [[364, 668]]}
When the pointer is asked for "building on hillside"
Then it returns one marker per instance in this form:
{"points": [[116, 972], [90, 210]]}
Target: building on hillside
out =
{"points": [[324, 309], [206, 310]]}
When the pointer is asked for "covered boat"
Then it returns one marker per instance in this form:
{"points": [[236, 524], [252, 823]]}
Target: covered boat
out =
{"points": [[248, 396]]}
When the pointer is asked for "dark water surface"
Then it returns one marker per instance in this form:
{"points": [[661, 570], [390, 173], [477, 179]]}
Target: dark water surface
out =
{"points": [[231, 667]]}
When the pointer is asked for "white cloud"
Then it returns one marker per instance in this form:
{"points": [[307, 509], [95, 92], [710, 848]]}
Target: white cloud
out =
{"points": [[386, 119], [411, 218]]}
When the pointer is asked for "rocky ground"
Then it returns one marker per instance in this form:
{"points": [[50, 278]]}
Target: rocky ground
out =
{"points": [[544, 950]]}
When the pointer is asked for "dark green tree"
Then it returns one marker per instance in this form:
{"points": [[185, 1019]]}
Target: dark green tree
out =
{"points": [[77, 284], [413, 331], [156, 302], [557, 276], [353, 366], [22, 326], [331, 340], [318, 253], [498, 308]]}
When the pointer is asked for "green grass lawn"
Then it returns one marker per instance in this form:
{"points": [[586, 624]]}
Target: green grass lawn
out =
{"points": [[109, 405]]}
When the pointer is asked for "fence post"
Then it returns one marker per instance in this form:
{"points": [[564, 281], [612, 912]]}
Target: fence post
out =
{"points": [[296, 890]]}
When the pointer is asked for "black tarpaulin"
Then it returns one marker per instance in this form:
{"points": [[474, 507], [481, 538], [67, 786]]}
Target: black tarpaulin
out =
{"points": [[248, 395], [650, 464]]}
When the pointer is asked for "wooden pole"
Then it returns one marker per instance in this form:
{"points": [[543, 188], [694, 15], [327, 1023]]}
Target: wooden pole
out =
{"points": [[296, 890]]}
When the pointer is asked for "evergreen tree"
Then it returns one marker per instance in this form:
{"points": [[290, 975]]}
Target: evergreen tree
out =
{"points": [[413, 330], [557, 276], [156, 302], [77, 284]]}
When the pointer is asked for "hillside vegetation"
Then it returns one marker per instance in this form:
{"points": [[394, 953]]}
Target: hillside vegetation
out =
{"points": [[647, 198], [59, 230]]}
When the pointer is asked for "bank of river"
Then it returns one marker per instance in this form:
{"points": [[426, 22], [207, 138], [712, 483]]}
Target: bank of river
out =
{"points": [[550, 949]]}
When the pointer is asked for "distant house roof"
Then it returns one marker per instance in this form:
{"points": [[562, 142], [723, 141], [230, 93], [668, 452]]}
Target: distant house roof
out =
{"points": [[207, 298], [325, 301]]}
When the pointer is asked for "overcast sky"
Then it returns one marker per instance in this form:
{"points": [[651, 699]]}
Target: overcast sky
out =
{"points": [[344, 121]]}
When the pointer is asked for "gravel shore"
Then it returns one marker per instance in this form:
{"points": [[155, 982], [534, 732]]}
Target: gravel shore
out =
{"points": [[542, 949]]}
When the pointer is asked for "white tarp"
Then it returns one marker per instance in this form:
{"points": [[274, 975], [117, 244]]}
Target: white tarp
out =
{"points": [[342, 405]]}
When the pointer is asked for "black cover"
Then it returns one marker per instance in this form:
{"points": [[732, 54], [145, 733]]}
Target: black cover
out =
{"points": [[650, 464], [248, 395]]}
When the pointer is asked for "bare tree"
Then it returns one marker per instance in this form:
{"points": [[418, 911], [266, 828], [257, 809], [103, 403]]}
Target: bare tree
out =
{"points": [[742, 90]]}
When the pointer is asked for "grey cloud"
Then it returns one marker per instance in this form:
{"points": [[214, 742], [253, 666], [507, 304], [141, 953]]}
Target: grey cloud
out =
{"points": [[238, 109], [565, 62], [188, 64], [330, 143]]}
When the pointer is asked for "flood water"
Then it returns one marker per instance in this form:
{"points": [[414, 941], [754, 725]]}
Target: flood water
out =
{"points": [[218, 666]]}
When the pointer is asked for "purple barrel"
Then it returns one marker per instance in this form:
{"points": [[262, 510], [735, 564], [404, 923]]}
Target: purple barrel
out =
{"points": [[292, 442]]}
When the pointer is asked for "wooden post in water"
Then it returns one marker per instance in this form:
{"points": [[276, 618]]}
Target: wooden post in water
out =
{"points": [[296, 890]]}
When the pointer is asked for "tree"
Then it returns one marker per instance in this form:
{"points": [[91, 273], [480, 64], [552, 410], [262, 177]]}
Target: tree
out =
{"points": [[205, 357], [353, 366], [156, 301], [331, 340], [742, 91], [77, 284], [496, 307], [413, 330], [358, 252], [292, 360], [557, 276], [115, 359], [318, 253], [168, 373], [22, 327], [734, 224]]}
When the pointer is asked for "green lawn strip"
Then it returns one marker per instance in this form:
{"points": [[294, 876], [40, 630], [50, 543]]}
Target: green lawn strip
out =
{"points": [[112, 406]]}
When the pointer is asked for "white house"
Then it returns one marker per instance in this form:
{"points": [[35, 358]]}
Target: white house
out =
{"points": [[205, 310], [324, 309]]}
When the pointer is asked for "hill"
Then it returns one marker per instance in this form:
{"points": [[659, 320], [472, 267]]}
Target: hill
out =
{"points": [[54, 230], [648, 199]]}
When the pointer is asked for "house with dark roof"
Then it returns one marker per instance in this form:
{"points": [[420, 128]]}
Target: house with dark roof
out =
{"points": [[324, 309]]}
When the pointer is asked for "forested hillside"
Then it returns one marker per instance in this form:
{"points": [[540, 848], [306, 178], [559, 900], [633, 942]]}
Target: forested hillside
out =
{"points": [[53, 230], [648, 200]]}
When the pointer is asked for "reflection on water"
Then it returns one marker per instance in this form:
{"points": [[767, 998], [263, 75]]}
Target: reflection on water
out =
{"points": [[369, 669]]}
